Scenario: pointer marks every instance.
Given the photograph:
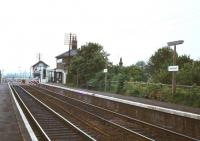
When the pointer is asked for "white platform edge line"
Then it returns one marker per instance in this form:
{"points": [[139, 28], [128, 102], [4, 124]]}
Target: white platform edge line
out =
{"points": [[152, 107], [26, 123]]}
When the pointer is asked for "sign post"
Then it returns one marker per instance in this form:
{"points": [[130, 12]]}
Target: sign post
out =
{"points": [[174, 68], [105, 71]]}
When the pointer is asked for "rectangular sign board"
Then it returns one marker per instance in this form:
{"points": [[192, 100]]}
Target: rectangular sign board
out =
{"points": [[105, 70], [172, 68], [175, 43]]}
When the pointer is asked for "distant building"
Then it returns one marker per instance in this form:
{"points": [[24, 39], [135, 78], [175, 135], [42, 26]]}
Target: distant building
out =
{"points": [[120, 62], [39, 71], [59, 74]]}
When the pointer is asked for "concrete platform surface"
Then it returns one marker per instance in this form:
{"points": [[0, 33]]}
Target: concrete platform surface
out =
{"points": [[9, 129]]}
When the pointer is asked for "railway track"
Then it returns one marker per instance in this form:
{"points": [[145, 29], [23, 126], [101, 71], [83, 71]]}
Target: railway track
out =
{"points": [[120, 126], [47, 124], [98, 127]]}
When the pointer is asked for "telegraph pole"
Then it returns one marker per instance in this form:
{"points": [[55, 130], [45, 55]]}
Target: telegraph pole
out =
{"points": [[39, 56], [70, 43], [69, 38]]}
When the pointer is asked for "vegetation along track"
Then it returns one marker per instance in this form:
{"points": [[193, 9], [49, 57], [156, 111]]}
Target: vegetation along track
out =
{"points": [[50, 126], [131, 125]]}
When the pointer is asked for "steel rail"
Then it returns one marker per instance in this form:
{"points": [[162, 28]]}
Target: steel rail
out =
{"points": [[83, 134], [160, 129], [45, 137], [32, 135], [124, 129]]}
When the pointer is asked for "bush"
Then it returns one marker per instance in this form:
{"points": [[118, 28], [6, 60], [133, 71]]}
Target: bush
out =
{"points": [[183, 96], [120, 86]]}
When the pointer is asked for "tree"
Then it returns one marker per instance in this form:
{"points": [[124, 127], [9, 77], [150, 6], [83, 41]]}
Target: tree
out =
{"points": [[140, 64], [184, 75], [120, 85], [183, 60], [158, 64], [90, 59], [196, 72], [135, 73], [189, 74]]}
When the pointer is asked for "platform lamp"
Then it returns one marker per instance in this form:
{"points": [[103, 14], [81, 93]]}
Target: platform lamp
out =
{"points": [[174, 43]]}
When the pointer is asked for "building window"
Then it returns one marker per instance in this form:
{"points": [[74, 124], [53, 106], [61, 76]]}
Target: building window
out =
{"points": [[59, 60]]}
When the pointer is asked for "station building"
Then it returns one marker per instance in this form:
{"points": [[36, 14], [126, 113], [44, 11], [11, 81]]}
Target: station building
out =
{"points": [[40, 71]]}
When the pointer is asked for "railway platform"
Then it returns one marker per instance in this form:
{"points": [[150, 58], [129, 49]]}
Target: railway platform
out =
{"points": [[9, 128], [141, 100]]}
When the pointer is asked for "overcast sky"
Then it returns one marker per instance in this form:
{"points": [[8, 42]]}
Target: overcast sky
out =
{"points": [[131, 29]]}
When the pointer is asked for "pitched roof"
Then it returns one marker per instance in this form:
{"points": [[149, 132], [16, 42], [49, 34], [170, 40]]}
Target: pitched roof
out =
{"points": [[73, 52], [40, 62]]}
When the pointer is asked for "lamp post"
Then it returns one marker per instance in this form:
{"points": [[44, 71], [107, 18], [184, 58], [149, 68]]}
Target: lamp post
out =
{"points": [[174, 43]]}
